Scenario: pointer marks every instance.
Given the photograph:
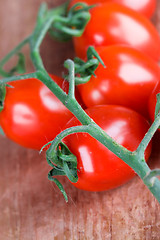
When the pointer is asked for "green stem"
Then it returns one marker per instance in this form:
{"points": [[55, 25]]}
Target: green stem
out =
{"points": [[14, 51], [153, 185], [19, 77], [148, 136], [157, 109], [67, 132], [52, 152], [4, 73], [37, 61], [36, 41], [70, 66], [11, 54], [95, 131]]}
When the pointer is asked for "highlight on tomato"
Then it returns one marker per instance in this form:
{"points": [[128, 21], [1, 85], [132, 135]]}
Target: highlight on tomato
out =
{"points": [[128, 79], [32, 114], [112, 23], [145, 7], [153, 101], [98, 168]]}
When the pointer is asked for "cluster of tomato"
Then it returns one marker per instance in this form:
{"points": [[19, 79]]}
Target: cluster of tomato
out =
{"points": [[116, 98]]}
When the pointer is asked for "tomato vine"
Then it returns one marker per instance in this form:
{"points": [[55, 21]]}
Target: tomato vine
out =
{"points": [[64, 160]]}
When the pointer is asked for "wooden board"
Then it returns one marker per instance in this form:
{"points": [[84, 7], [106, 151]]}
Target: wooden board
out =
{"points": [[31, 207]]}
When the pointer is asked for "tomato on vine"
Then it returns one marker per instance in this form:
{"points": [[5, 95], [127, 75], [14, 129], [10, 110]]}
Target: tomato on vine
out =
{"points": [[32, 114], [145, 7], [98, 168], [112, 23], [128, 79]]}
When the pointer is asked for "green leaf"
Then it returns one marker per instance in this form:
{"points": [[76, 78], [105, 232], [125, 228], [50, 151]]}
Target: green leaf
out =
{"points": [[56, 171], [59, 185], [70, 173], [68, 158], [65, 155], [57, 35], [92, 52], [63, 162], [73, 24]]}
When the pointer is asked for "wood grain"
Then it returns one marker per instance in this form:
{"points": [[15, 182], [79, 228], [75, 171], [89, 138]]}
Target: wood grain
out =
{"points": [[31, 207]]}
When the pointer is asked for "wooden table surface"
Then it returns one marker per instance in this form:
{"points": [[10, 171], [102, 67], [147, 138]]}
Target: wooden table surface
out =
{"points": [[31, 207]]}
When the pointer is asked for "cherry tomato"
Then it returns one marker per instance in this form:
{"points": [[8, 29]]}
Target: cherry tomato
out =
{"points": [[98, 168], [32, 114], [145, 7], [112, 23], [153, 101], [128, 79]]}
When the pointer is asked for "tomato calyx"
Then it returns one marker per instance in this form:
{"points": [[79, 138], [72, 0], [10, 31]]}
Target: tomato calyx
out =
{"points": [[64, 163], [72, 24], [85, 69]]}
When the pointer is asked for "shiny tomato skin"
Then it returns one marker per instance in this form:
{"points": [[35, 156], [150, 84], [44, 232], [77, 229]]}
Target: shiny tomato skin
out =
{"points": [[145, 7], [112, 23], [128, 79], [153, 101], [32, 114], [98, 168]]}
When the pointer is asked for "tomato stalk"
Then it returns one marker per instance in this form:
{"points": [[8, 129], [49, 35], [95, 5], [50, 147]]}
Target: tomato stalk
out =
{"points": [[63, 160], [157, 109], [148, 136], [20, 67], [2, 96]]}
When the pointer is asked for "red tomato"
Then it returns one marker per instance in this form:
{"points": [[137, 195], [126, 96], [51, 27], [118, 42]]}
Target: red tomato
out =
{"points": [[98, 168], [113, 23], [145, 7], [153, 101], [128, 79], [32, 114]]}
